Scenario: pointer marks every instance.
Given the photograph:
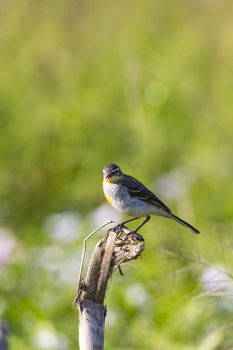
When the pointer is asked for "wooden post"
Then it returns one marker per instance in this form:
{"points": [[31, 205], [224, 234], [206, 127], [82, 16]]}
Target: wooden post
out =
{"points": [[119, 246], [3, 336]]}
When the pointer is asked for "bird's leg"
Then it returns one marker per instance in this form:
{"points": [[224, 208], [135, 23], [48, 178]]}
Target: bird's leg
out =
{"points": [[126, 222], [119, 227], [134, 234], [143, 223], [122, 225]]}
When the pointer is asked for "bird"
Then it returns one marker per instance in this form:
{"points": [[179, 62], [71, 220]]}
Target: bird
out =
{"points": [[128, 195]]}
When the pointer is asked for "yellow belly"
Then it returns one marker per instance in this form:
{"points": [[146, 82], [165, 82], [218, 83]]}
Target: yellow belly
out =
{"points": [[108, 200]]}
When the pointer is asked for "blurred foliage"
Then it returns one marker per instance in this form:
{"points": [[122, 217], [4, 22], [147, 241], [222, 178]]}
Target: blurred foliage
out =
{"points": [[148, 85]]}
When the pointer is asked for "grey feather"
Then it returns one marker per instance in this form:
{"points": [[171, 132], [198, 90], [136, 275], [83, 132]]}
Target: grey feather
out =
{"points": [[136, 189]]}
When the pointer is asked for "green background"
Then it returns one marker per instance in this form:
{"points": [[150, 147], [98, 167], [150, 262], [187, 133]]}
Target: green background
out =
{"points": [[147, 85]]}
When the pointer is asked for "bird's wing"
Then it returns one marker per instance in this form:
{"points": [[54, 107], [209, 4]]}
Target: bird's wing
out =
{"points": [[138, 190]]}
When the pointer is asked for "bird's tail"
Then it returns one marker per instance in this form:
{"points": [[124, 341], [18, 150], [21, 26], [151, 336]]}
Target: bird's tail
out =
{"points": [[184, 223]]}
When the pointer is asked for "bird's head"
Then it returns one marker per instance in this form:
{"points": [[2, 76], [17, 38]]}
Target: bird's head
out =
{"points": [[112, 173]]}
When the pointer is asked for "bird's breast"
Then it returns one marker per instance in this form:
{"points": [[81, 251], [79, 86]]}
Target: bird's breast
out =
{"points": [[119, 198], [112, 194]]}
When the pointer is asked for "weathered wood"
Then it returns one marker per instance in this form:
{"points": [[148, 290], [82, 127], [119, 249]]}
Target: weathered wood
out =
{"points": [[106, 266], [116, 248], [3, 336], [91, 326], [93, 272]]}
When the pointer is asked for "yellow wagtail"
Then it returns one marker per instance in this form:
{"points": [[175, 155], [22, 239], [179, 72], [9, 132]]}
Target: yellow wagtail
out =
{"points": [[130, 196]]}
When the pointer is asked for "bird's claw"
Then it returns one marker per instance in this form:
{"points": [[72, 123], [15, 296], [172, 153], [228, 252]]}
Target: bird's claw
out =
{"points": [[136, 236], [119, 227], [130, 235]]}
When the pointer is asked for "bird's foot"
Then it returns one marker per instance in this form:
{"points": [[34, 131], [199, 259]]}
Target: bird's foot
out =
{"points": [[136, 236], [128, 235], [119, 228]]}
